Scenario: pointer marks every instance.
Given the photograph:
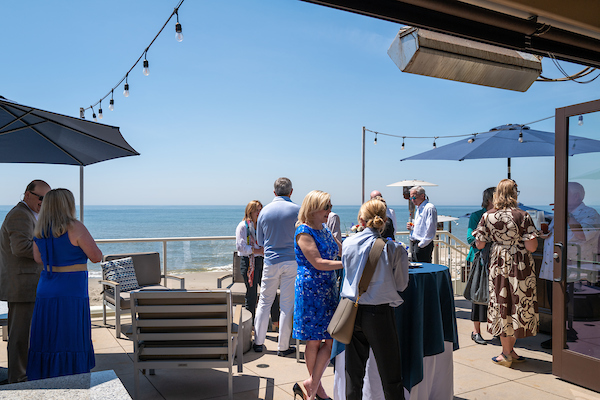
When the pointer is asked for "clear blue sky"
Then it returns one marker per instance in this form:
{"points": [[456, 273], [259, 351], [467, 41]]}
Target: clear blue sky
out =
{"points": [[257, 89]]}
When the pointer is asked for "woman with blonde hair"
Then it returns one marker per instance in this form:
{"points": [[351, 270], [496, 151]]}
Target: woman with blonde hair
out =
{"points": [[60, 340], [375, 324], [316, 296], [252, 259], [513, 308]]}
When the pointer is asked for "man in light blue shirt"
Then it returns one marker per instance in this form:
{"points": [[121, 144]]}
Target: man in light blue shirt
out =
{"points": [[422, 232], [275, 232]]}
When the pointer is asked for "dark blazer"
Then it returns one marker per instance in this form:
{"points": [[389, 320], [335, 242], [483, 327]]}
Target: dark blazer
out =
{"points": [[19, 273]]}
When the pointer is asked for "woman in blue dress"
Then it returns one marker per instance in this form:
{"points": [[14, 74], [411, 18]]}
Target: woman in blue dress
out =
{"points": [[61, 331], [316, 294]]}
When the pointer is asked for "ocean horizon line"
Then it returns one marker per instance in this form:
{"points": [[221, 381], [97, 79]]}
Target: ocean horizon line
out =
{"points": [[243, 205]]}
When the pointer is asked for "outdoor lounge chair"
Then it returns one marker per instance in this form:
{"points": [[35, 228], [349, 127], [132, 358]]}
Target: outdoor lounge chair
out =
{"points": [[185, 329], [237, 286], [148, 274]]}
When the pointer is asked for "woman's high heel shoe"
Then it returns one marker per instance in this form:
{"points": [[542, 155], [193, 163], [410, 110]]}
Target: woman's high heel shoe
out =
{"points": [[300, 390]]}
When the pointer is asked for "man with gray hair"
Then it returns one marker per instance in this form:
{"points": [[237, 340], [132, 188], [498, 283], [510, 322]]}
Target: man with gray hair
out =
{"points": [[275, 230], [423, 228], [19, 275]]}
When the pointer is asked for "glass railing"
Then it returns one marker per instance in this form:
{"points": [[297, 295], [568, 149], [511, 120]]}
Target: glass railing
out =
{"points": [[210, 253]]}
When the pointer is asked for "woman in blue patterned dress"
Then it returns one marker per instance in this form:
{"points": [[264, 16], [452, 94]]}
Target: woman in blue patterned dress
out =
{"points": [[316, 294]]}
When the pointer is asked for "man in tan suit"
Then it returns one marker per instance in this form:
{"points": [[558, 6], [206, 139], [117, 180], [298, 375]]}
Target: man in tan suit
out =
{"points": [[19, 275]]}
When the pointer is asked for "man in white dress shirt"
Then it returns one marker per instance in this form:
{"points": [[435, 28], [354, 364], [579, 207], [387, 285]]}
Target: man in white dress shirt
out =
{"points": [[422, 232]]}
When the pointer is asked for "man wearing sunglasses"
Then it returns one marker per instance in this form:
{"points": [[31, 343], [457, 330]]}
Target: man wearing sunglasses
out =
{"points": [[422, 232], [19, 275]]}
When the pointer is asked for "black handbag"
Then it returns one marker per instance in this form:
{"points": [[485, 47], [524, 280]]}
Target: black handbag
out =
{"points": [[477, 289]]}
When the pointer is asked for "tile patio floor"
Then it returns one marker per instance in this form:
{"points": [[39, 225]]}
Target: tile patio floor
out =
{"points": [[269, 377]]}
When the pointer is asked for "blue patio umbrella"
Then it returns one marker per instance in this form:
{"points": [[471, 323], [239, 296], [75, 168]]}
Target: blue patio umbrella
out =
{"points": [[506, 141], [31, 135]]}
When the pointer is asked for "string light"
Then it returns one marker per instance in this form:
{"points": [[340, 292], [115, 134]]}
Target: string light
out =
{"points": [[100, 111], [94, 114], [111, 105], [178, 34], [126, 87], [472, 136], [145, 63], [146, 70], [580, 120]]}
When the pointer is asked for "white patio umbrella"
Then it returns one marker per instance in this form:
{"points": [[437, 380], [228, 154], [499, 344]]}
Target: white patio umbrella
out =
{"points": [[412, 182]]}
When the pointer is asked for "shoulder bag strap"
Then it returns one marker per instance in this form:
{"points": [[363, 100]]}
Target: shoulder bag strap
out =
{"points": [[374, 255]]}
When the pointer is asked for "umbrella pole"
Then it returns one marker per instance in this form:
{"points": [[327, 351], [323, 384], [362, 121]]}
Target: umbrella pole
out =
{"points": [[508, 167], [81, 193], [362, 199]]}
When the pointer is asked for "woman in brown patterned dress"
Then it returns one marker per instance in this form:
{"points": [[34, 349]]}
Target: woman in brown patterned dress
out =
{"points": [[513, 308]]}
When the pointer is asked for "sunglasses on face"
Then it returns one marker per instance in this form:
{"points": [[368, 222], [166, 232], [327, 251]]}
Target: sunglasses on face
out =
{"points": [[37, 195], [413, 197], [328, 207]]}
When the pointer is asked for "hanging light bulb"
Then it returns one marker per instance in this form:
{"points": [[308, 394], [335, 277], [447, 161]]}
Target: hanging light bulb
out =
{"points": [[126, 88], [94, 114], [520, 137], [402, 148], [81, 113], [111, 104], [472, 139], [100, 111], [434, 145], [146, 70], [580, 120], [375, 141], [178, 34]]}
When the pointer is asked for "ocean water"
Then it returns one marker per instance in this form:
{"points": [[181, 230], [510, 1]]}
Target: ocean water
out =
{"points": [[119, 222]]}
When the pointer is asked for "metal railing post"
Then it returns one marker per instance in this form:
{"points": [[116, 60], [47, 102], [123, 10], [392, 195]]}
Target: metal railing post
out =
{"points": [[165, 262]]}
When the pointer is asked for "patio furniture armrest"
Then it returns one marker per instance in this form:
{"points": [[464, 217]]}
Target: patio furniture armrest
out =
{"points": [[105, 282], [176, 278], [236, 324], [222, 278], [237, 330], [115, 285]]}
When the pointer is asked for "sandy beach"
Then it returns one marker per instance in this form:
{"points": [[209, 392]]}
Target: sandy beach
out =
{"points": [[193, 280]]}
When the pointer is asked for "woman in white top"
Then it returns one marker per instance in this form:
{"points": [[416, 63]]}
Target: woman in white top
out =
{"points": [[252, 257], [375, 325]]}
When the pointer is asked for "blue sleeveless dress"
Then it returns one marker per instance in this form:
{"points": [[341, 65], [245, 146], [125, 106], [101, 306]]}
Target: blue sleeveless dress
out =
{"points": [[316, 294], [61, 332]]}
